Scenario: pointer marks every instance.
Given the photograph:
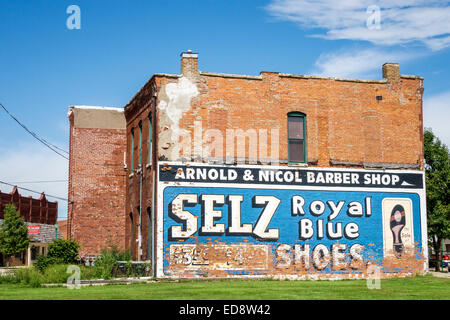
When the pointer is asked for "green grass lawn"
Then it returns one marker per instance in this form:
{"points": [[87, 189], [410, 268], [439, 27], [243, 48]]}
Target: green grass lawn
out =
{"points": [[418, 287]]}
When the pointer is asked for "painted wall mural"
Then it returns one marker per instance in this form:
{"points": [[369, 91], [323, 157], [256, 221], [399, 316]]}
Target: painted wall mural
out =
{"points": [[234, 221]]}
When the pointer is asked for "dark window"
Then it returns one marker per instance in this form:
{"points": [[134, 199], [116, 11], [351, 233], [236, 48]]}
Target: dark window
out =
{"points": [[131, 233], [149, 234], [149, 138], [34, 252], [132, 150], [296, 137], [140, 143]]}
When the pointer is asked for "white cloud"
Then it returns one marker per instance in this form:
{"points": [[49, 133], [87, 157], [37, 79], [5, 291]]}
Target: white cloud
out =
{"points": [[358, 63], [402, 21], [31, 162], [436, 114]]}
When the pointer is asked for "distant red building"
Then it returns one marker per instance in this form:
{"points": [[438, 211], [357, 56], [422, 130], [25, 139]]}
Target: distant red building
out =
{"points": [[40, 215], [32, 210]]}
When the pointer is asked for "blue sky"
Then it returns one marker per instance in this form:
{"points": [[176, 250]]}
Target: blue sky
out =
{"points": [[45, 67]]}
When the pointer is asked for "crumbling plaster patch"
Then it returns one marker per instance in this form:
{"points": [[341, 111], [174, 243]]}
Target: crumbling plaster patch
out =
{"points": [[174, 101]]}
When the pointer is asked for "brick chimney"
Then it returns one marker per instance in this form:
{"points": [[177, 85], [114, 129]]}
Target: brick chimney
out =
{"points": [[391, 71], [189, 64]]}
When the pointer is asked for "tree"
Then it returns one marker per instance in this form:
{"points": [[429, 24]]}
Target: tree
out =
{"points": [[13, 233], [437, 174]]}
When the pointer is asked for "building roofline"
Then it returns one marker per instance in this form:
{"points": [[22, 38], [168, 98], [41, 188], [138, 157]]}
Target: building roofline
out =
{"points": [[226, 75], [285, 75], [299, 76], [407, 76], [260, 77], [97, 108]]}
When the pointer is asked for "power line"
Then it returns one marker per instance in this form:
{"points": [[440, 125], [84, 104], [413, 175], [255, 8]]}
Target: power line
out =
{"points": [[52, 146], [42, 140], [47, 195], [47, 181]]}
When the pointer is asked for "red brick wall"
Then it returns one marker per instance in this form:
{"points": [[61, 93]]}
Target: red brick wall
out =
{"points": [[96, 188], [134, 186], [62, 228], [345, 121]]}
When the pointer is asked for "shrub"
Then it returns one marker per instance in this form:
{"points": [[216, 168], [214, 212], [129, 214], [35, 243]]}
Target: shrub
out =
{"points": [[35, 282], [7, 278], [43, 261], [28, 276], [56, 273], [64, 250], [116, 254], [88, 273], [106, 264], [34, 277]]}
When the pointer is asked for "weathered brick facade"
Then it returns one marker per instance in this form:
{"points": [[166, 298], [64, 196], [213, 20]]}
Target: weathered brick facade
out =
{"points": [[208, 117], [96, 178], [349, 124], [140, 179]]}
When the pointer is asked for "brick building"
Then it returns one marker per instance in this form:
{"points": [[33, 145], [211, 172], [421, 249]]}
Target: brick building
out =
{"points": [[319, 122], [96, 191], [321, 137], [40, 216]]}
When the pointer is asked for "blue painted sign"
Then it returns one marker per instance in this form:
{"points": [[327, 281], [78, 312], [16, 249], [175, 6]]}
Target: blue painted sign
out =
{"points": [[286, 228]]}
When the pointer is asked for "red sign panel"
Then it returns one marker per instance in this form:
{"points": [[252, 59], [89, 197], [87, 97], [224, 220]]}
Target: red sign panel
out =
{"points": [[34, 229]]}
